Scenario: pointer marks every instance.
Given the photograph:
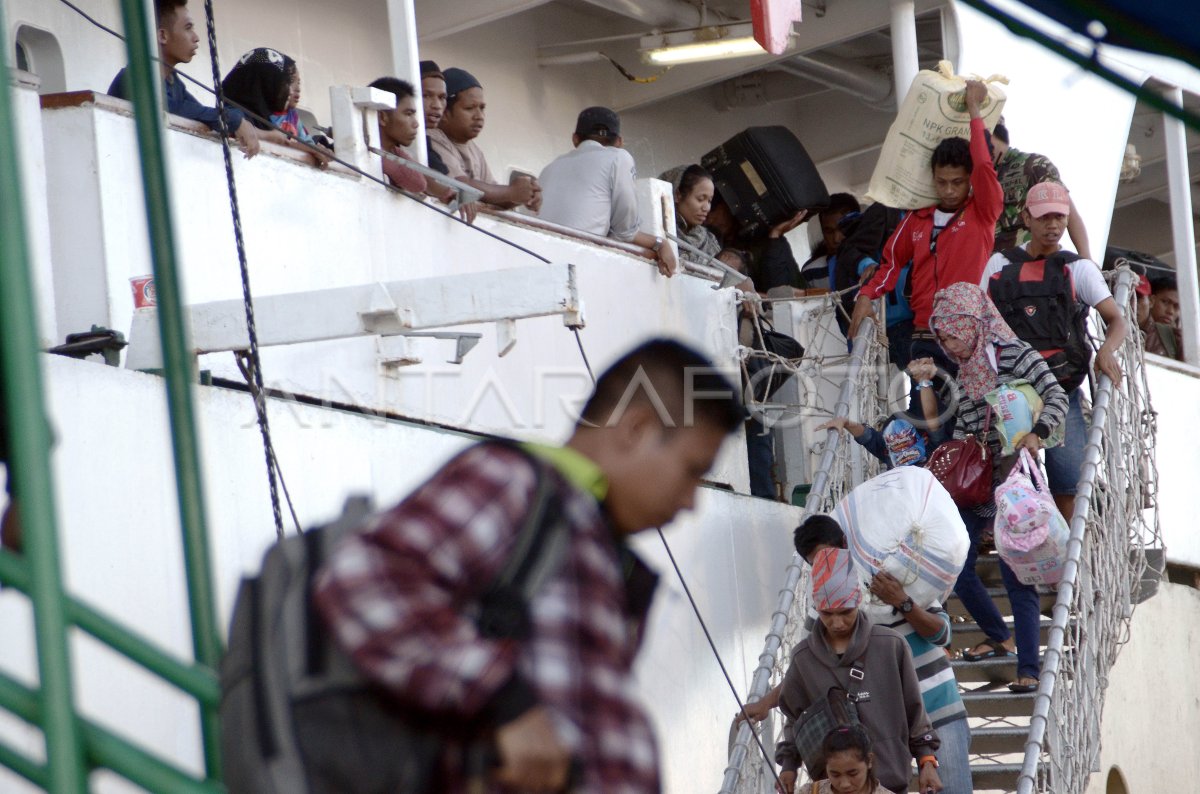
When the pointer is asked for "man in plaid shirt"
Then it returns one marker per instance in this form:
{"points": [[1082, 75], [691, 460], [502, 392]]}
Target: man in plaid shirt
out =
{"points": [[393, 594]]}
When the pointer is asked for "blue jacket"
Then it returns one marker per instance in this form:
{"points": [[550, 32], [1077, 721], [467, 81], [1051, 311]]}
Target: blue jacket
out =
{"points": [[182, 103]]}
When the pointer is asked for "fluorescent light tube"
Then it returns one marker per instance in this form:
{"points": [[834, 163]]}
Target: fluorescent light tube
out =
{"points": [[704, 51]]}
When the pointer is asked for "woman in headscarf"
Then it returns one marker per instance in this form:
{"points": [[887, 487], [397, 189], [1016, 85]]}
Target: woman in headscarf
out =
{"points": [[693, 201], [846, 650], [267, 83], [988, 354]]}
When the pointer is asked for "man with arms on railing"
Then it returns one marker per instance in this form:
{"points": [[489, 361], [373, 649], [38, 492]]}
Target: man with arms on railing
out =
{"points": [[591, 188], [177, 43], [871, 663], [394, 593], [454, 143]]}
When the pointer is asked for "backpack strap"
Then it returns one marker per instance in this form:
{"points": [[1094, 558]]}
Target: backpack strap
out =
{"points": [[1017, 256], [503, 608]]}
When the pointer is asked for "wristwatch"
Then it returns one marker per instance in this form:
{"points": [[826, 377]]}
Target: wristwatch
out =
{"points": [[906, 606], [925, 384], [658, 244]]}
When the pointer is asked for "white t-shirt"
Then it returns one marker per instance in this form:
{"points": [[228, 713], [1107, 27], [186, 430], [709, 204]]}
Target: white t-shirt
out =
{"points": [[1090, 286], [591, 188]]}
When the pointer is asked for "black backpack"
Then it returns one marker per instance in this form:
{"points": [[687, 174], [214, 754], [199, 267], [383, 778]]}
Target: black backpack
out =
{"points": [[1045, 313], [297, 716]]}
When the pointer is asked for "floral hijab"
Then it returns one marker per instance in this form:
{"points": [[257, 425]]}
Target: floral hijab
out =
{"points": [[962, 311]]}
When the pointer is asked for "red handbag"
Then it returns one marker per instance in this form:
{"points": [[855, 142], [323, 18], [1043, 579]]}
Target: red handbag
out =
{"points": [[964, 467]]}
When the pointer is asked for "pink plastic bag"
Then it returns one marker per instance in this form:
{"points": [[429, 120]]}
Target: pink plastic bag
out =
{"points": [[1031, 535]]}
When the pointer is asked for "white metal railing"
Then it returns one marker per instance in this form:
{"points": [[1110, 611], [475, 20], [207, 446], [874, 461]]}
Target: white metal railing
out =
{"points": [[1114, 524], [748, 771]]}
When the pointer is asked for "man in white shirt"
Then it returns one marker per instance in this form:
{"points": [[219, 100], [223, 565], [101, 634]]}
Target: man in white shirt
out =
{"points": [[591, 188], [1034, 300]]}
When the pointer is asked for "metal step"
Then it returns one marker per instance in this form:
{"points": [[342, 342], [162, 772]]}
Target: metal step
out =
{"points": [[1000, 670], [994, 777], [999, 740], [968, 635], [1000, 596], [998, 703]]}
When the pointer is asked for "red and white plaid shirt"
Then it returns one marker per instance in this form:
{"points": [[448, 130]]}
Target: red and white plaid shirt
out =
{"points": [[393, 595]]}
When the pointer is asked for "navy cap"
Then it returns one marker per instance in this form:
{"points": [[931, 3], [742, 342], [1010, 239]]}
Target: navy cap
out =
{"points": [[459, 80], [431, 69], [598, 121]]}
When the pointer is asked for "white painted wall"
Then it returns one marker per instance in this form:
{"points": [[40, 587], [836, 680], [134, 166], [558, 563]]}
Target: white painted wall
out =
{"points": [[32, 156], [358, 53], [1173, 388], [121, 550], [370, 234], [1151, 725]]}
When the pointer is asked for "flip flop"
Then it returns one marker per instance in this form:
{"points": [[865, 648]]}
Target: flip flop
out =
{"points": [[998, 651], [1023, 689]]}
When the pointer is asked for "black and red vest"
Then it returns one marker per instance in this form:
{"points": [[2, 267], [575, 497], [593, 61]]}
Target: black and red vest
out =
{"points": [[1036, 297]]}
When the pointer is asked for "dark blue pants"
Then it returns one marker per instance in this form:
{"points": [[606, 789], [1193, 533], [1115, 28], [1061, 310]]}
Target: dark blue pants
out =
{"points": [[1023, 597], [760, 450]]}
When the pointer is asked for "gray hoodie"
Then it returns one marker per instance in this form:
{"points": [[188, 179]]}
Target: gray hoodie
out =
{"points": [[894, 714]]}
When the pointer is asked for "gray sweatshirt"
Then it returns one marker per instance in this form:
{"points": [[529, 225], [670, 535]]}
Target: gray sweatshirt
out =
{"points": [[894, 714]]}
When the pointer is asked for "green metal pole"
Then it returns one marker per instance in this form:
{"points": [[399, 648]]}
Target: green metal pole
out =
{"points": [[144, 80], [29, 466]]}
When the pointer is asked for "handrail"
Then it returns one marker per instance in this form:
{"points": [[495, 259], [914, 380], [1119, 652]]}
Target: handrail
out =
{"points": [[29, 436], [144, 82], [795, 569], [1027, 782]]}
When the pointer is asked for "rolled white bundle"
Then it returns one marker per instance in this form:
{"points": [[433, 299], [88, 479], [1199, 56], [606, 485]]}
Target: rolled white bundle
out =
{"points": [[904, 522]]}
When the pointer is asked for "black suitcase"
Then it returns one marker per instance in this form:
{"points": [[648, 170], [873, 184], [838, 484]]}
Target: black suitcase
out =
{"points": [[765, 176]]}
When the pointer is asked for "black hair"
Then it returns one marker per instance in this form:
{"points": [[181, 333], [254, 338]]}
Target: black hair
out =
{"points": [[818, 530], [675, 379], [394, 85], [163, 9], [952, 152], [691, 176], [1001, 132], [1163, 284], [741, 254], [851, 737], [842, 203]]}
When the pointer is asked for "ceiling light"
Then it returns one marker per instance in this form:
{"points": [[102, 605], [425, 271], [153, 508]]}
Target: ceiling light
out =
{"points": [[701, 44]]}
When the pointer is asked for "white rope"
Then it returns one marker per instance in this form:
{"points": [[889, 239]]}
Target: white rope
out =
{"points": [[1114, 524]]}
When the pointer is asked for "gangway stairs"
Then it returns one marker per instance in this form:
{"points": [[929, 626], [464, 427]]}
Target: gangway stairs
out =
{"points": [[1048, 741]]}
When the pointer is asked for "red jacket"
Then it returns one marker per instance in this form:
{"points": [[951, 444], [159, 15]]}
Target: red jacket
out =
{"points": [[963, 248]]}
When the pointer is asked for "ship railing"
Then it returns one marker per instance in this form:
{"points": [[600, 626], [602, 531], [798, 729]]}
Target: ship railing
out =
{"points": [[838, 471], [1114, 560], [73, 745]]}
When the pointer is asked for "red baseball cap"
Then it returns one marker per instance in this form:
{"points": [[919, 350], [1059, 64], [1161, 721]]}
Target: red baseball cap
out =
{"points": [[1047, 197], [1143, 285]]}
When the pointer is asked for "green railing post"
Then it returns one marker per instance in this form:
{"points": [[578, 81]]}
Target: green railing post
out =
{"points": [[144, 80], [29, 439]]}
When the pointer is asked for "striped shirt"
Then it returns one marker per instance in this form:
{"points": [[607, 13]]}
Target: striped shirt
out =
{"points": [[939, 688], [1015, 360]]}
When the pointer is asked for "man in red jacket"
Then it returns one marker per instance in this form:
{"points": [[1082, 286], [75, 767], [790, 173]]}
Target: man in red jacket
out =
{"points": [[947, 243]]}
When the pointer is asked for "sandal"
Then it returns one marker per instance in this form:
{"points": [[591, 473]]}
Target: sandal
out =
{"points": [[998, 651], [1023, 689]]}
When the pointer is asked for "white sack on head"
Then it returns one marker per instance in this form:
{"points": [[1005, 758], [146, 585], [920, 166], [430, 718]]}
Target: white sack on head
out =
{"points": [[904, 522], [934, 109]]}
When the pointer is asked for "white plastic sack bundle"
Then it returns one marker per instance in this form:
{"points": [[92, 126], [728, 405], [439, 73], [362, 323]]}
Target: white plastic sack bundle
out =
{"points": [[935, 108], [904, 522], [1031, 535]]}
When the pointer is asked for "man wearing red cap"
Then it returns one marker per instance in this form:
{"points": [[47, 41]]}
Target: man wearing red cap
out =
{"points": [[1044, 294]]}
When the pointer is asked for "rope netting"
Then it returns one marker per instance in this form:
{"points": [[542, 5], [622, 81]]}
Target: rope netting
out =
{"points": [[840, 468], [1108, 572]]}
